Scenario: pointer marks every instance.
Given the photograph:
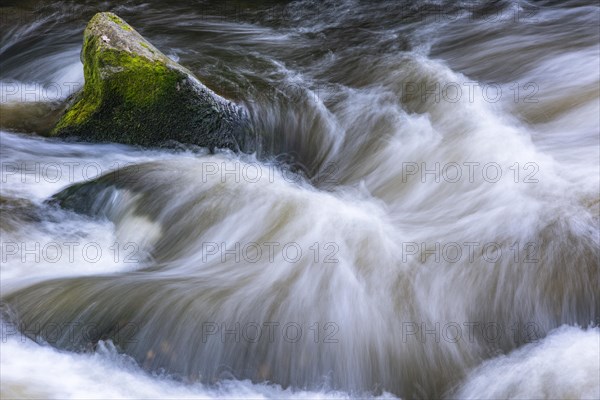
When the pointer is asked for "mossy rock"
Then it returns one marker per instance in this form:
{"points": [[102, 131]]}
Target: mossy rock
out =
{"points": [[134, 94]]}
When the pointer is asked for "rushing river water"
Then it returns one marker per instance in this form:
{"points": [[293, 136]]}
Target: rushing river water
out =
{"points": [[417, 217]]}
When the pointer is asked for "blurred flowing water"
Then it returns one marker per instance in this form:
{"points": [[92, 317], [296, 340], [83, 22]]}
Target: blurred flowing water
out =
{"points": [[417, 216]]}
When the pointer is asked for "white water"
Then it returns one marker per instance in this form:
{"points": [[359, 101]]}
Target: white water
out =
{"points": [[539, 370], [107, 374], [405, 320]]}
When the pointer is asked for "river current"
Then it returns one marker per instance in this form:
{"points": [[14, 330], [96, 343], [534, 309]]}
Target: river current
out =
{"points": [[418, 217]]}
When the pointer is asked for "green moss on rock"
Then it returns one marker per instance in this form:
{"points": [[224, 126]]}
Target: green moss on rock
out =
{"points": [[118, 21], [135, 94]]}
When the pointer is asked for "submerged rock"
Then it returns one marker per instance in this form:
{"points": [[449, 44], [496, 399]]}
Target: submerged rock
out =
{"points": [[15, 212], [31, 117], [134, 94]]}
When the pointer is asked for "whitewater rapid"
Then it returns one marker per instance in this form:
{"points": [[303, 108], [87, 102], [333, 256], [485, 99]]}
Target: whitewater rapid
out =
{"points": [[419, 218]]}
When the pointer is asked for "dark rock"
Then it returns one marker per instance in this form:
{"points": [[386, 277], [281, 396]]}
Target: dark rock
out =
{"points": [[134, 94]]}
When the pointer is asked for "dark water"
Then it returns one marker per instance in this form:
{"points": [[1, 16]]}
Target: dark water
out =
{"points": [[418, 218]]}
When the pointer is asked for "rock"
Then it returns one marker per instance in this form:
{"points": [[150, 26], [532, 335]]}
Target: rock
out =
{"points": [[31, 117], [14, 213], [134, 94]]}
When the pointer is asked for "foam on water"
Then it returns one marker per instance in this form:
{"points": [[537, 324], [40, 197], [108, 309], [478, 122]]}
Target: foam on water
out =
{"points": [[564, 365], [107, 374]]}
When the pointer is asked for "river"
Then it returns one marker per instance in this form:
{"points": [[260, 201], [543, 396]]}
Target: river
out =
{"points": [[418, 218]]}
